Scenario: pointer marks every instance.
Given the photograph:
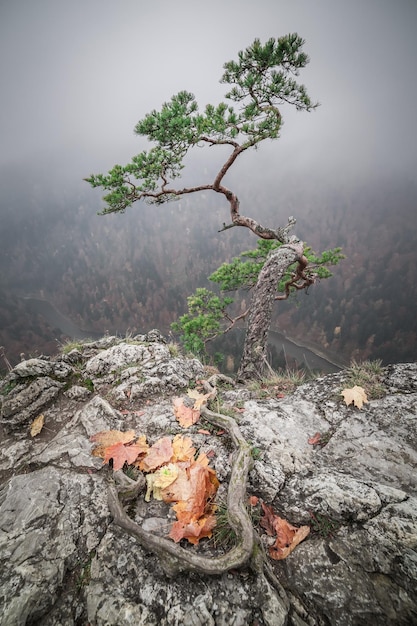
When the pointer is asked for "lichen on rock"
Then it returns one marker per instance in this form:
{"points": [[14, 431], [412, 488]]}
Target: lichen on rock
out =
{"points": [[64, 561]]}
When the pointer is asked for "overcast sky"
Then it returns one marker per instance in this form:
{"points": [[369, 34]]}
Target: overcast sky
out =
{"points": [[76, 75]]}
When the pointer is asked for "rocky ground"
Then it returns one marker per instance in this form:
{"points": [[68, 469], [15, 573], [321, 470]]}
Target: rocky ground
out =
{"points": [[65, 562]]}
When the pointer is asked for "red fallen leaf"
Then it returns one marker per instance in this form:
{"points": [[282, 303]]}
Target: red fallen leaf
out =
{"points": [[268, 520], [253, 500], [315, 439], [287, 536], [280, 395], [121, 454], [201, 431], [210, 454], [158, 454], [220, 432]]}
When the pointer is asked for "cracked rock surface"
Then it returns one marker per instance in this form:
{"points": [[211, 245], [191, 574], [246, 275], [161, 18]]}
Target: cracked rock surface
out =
{"points": [[63, 562]]}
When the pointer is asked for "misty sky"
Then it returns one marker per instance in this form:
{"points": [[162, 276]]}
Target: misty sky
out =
{"points": [[77, 75]]}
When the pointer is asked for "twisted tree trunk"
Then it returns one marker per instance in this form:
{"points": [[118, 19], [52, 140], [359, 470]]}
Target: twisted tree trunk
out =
{"points": [[254, 357]]}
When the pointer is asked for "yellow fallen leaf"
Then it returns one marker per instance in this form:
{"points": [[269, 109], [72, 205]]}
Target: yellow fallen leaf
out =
{"points": [[37, 425], [163, 477], [199, 398], [355, 395]]}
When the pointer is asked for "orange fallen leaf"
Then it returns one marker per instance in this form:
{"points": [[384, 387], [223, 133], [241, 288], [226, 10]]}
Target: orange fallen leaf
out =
{"points": [[106, 438], [183, 449], [161, 452], [121, 454], [37, 425], [253, 500], [194, 530], [187, 416], [355, 395], [201, 431], [287, 535]]}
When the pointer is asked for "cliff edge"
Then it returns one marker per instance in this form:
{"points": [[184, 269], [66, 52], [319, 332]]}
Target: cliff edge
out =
{"points": [[348, 473]]}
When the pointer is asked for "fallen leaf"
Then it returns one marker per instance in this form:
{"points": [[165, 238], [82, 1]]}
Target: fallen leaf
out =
{"points": [[355, 395], [160, 453], [186, 416], [183, 449], [37, 425], [315, 439], [287, 535], [106, 438], [201, 431], [199, 398], [160, 479], [194, 530], [121, 454], [253, 500], [288, 538], [192, 496]]}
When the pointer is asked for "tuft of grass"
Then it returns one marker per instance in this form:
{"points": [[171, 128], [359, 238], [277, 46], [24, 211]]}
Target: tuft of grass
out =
{"points": [[88, 383], [174, 349], [70, 345], [280, 382], [322, 525], [223, 534], [85, 572], [367, 374]]}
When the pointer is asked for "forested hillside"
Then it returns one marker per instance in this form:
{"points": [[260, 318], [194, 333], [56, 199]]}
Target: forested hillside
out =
{"points": [[134, 271]]}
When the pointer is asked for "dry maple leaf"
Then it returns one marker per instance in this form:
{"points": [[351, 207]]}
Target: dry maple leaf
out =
{"points": [[160, 479], [121, 454], [106, 438], [37, 425], [193, 493], [287, 536], [160, 453], [355, 395], [183, 449], [194, 530], [187, 416], [199, 398]]}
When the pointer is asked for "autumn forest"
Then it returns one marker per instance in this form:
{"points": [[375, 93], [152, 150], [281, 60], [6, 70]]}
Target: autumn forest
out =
{"points": [[133, 272]]}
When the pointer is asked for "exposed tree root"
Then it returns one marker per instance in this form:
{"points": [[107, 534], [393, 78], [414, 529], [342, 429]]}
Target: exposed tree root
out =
{"points": [[248, 550]]}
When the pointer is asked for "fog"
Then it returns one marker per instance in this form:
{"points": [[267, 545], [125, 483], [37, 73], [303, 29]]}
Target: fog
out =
{"points": [[76, 77]]}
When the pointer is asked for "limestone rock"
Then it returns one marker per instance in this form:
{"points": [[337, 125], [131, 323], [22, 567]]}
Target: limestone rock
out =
{"points": [[64, 562]]}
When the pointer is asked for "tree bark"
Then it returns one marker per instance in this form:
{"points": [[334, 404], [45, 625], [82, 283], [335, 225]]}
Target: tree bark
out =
{"points": [[254, 357]]}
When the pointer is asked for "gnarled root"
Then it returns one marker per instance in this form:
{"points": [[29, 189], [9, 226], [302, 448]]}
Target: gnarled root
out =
{"points": [[247, 551]]}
